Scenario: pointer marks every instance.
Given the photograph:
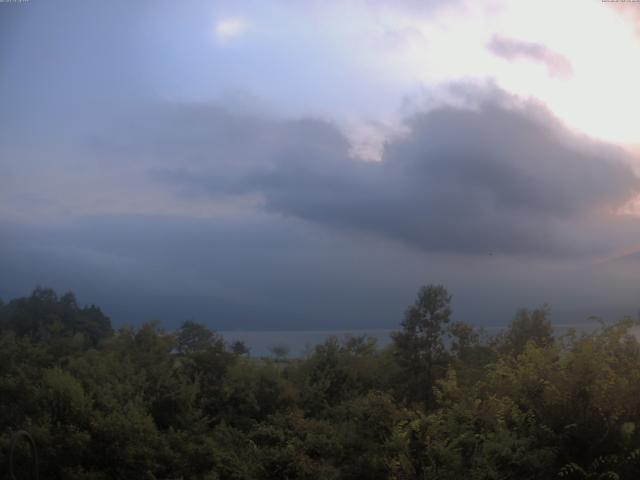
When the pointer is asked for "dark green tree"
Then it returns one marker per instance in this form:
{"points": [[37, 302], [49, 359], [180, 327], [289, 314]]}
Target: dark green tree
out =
{"points": [[194, 337], [240, 348], [528, 326], [419, 346], [43, 315]]}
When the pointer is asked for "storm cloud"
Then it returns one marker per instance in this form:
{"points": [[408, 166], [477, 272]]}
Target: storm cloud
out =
{"points": [[489, 178], [329, 240], [162, 171]]}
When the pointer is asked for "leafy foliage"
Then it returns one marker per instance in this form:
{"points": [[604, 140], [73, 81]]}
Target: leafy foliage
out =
{"points": [[442, 401]]}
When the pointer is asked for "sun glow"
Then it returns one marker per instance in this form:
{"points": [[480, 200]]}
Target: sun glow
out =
{"points": [[598, 98], [227, 29]]}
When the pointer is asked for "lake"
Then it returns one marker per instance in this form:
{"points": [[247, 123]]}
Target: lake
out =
{"points": [[299, 342]]}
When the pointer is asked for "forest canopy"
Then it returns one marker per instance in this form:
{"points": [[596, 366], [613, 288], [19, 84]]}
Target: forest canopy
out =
{"points": [[443, 400]]}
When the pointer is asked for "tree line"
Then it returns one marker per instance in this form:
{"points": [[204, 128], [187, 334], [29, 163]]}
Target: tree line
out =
{"points": [[443, 400]]}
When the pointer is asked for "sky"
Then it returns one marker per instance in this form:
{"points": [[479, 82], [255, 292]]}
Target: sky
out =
{"points": [[265, 165]]}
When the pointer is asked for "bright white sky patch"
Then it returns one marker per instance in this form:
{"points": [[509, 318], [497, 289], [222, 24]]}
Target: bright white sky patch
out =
{"points": [[598, 44], [227, 29], [402, 54]]}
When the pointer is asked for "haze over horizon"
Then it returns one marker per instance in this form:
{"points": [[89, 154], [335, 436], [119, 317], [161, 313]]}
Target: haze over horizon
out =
{"points": [[308, 166]]}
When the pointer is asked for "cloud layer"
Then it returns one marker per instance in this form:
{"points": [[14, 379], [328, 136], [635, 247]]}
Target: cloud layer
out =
{"points": [[512, 49], [123, 179], [489, 178]]}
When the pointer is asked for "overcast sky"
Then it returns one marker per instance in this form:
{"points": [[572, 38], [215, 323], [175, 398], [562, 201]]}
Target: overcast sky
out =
{"points": [[309, 165]]}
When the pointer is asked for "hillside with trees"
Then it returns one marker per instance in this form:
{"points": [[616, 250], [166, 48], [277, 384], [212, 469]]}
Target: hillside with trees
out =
{"points": [[443, 401]]}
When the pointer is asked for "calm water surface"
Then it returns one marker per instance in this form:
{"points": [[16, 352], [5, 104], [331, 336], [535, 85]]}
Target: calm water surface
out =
{"points": [[299, 342]]}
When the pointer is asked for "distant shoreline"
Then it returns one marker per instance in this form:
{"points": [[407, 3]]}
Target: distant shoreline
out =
{"points": [[298, 342]]}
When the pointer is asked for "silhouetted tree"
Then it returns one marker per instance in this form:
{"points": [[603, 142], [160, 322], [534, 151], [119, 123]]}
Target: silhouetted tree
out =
{"points": [[43, 315], [419, 346], [528, 327], [240, 348], [194, 337]]}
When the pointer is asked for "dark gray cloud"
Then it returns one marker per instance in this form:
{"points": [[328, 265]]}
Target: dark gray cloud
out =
{"points": [[226, 213], [262, 271], [496, 178], [513, 49], [338, 242], [251, 271]]}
